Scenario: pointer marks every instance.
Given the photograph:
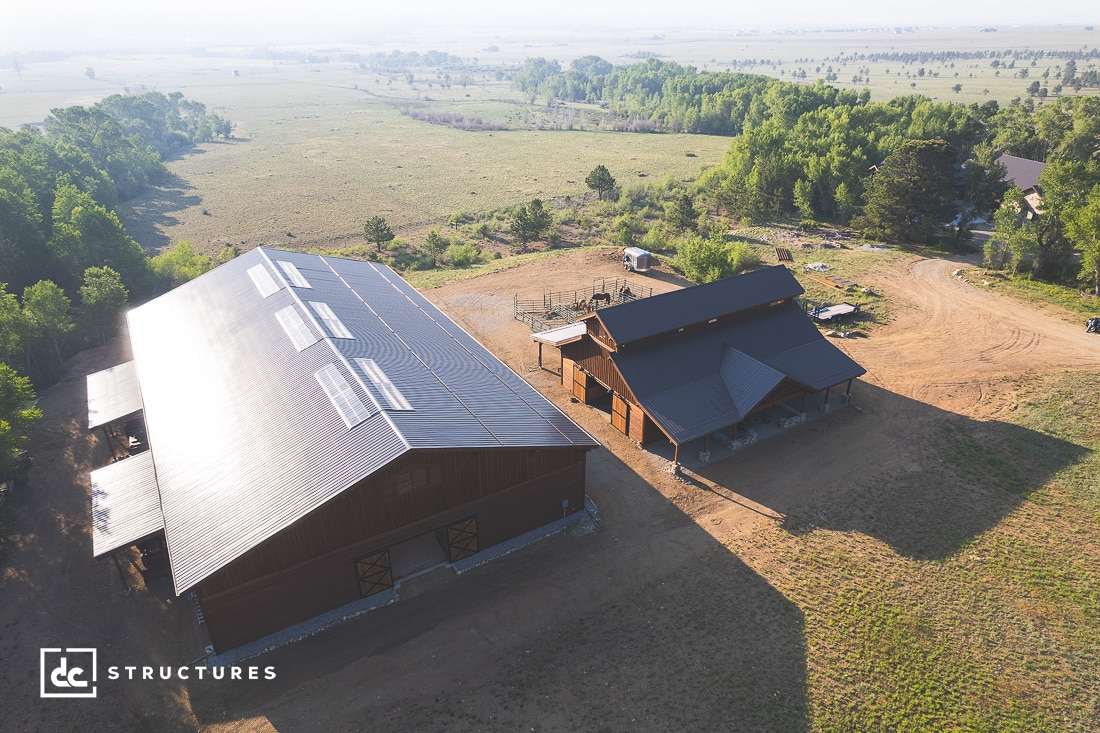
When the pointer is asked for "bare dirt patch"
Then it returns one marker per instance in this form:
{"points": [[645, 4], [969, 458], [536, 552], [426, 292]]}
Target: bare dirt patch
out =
{"points": [[669, 617]]}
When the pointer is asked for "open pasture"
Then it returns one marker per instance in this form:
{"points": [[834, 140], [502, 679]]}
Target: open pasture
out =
{"points": [[322, 142], [322, 147]]}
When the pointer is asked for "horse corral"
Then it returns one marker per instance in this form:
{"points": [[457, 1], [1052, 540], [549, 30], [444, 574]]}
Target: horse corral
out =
{"points": [[559, 308]]}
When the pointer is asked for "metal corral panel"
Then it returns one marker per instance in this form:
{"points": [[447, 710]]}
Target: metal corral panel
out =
{"points": [[246, 440], [125, 503], [113, 394], [668, 312]]}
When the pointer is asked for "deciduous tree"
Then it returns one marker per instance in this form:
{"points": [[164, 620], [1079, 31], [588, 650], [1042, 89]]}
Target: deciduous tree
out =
{"points": [[17, 415], [1083, 228], [47, 312], [179, 265], [102, 298]]}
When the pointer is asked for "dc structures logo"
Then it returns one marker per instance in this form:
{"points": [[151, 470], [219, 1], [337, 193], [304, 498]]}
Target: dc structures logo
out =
{"points": [[68, 672]]}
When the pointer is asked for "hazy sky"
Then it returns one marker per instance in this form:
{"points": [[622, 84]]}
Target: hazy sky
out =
{"points": [[81, 24]]}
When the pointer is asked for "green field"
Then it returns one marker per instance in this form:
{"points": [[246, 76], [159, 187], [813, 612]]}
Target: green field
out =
{"points": [[323, 144]]}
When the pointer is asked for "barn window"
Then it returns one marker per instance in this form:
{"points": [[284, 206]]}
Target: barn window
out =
{"points": [[263, 281], [335, 326], [296, 278], [300, 334], [383, 384], [350, 407]]}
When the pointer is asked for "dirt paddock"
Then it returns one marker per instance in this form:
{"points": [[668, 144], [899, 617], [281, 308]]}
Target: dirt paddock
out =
{"points": [[648, 623]]}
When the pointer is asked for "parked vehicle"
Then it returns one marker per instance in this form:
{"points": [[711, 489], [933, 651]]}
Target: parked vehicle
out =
{"points": [[637, 260]]}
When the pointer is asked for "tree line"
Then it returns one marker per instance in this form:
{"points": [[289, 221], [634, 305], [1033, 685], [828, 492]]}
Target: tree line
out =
{"points": [[908, 170], [67, 264]]}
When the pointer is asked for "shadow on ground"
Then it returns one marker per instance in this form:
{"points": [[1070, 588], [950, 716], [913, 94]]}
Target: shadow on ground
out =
{"points": [[647, 623], [924, 480], [150, 216]]}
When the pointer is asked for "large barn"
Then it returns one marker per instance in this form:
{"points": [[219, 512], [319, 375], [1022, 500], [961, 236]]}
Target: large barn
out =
{"points": [[690, 363], [316, 428]]}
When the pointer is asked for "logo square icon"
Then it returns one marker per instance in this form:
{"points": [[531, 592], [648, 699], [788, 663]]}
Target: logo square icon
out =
{"points": [[69, 672]]}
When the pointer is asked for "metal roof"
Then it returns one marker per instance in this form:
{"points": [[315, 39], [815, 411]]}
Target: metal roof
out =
{"points": [[244, 437], [710, 378], [562, 334], [671, 311], [1021, 172], [125, 503], [113, 394]]}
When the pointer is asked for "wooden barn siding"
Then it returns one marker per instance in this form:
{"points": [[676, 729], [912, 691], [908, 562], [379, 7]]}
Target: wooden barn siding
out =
{"points": [[238, 614], [594, 360], [373, 508], [642, 429]]}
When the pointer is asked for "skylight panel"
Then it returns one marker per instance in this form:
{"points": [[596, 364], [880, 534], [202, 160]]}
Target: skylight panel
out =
{"points": [[379, 379], [295, 326], [263, 281], [335, 326], [350, 407], [297, 279]]}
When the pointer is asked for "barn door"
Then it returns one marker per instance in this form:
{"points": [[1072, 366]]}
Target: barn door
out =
{"points": [[462, 538], [374, 572], [580, 385], [620, 414]]}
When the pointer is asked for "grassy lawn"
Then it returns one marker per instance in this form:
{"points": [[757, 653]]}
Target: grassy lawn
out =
{"points": [[1072, 304], [998, 632]]}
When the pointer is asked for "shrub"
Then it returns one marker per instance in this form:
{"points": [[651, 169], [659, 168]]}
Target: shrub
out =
{"points": [[463, 255], [743, 257]]}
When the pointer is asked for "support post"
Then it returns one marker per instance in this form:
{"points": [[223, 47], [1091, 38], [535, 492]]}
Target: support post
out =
{"points": [[121, 576], [827, 395]]}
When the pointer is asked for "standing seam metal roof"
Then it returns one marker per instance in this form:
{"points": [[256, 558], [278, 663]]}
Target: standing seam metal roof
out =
{"points": [[125, 503], [113, 394], [700, 381], [670, 311], [244, 439]]}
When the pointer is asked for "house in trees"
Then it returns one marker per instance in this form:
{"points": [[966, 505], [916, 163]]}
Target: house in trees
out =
{"points": [[1024, 173], [695, 362], [317, 430]]}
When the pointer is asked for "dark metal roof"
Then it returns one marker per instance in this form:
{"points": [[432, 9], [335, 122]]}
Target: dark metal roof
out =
{"points": [[710, 378], [244, 438], [113, 394], [1022, 172], [668, 312], [125, 503]]}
